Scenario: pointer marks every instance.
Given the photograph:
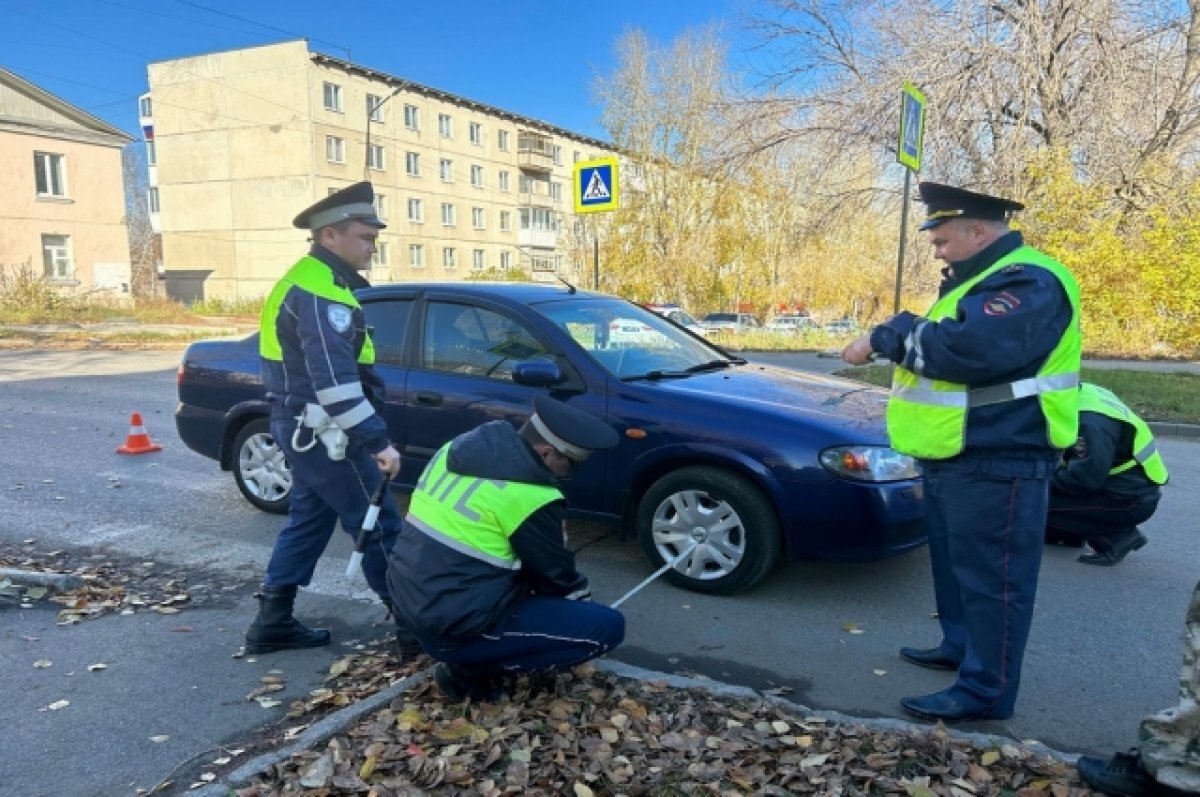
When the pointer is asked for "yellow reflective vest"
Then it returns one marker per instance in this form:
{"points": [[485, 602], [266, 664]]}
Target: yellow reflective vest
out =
{"points": [[472, 515], [927, 418], [311, 275], [1093, 398]]}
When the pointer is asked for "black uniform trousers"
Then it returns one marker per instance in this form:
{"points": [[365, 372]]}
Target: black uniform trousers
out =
{"points": [[986, 515], [1099, 518]]}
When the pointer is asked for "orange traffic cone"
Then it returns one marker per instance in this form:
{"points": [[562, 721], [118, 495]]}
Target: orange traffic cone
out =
{"points": [[138, 442]]}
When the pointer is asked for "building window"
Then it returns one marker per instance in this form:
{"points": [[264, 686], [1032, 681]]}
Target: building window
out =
{"points": [[557, 150], [445, 125], [446, 169], [502, 139], [375, 158], [477, 176], [477, 218], [56, 257], [556, 191], [416, 255], [476, 134], [50, 171], [505, 260], [448, 260], [374, 108], [152, 199], [412, 164], [380, 258], [538, 219], [333, 97], [526, 183], [448, 215], [477, 260], [335, 149], [504, 181], [576, 156], [381, 206], [151, 153], [144, 107], [412, 117], [416, 211], [505, 221]]}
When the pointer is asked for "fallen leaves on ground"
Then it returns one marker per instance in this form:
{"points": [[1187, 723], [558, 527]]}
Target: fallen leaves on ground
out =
{"points": [[112, 584], [592, 733]]}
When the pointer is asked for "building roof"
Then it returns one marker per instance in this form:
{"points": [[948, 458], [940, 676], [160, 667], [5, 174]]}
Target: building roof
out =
{"points": [[85, 126]]}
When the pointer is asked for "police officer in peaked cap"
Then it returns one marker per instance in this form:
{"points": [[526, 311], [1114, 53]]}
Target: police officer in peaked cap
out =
{"points": [[325, 397], [985, 396], [481, 571]]}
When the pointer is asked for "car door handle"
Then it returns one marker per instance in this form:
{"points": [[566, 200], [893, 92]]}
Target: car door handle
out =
{"points": [[429, 398]]}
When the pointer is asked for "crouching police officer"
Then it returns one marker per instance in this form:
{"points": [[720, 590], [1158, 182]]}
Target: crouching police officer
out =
{"points": [[481, 571], [1108, 482], [985, 394], [317, 359]]}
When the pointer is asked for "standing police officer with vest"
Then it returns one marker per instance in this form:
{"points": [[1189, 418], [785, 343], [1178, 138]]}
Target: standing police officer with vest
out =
{"points": [[1108, 481], [985, 395], [481, 571], [317, 359]]}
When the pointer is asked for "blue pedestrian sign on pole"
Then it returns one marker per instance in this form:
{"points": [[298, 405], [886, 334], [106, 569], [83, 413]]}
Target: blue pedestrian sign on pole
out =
{"points": [[912, 127], [596, 185]]}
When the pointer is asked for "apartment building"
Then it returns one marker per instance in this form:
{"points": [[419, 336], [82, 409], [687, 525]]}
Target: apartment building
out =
{"points": [[62, 212], [243, 140]]}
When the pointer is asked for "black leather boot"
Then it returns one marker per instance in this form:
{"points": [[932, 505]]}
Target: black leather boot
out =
{"points": [[407, 646], [275, 629]]}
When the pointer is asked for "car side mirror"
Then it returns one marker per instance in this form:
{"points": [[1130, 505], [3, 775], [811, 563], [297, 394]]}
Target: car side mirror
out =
{"points": [[538, 373]]}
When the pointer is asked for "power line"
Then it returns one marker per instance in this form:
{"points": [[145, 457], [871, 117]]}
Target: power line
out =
{"points": [[262, 25]]}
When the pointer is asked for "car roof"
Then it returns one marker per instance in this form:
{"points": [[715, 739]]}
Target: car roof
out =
{"points": [[523, 292]]}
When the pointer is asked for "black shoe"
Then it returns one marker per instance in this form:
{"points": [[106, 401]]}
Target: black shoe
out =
{"points": [[458, 686], [407, 646], [933, 658], [1123, 776], [1116, 551], [275, 629], [940, 706]]}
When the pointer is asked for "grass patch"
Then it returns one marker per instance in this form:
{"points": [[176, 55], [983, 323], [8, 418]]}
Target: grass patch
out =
{"points": [[1171, 396]]}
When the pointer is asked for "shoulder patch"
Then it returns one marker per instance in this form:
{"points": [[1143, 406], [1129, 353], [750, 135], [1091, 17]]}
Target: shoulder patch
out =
{"points": [[1015, 268], [1001, 304], [339, 316]]}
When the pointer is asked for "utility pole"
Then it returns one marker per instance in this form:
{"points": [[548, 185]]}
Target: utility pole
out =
{"points": [[370, 117]]}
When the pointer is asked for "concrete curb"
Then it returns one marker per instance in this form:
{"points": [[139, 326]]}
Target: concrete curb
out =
{"points": [[341, 720], [61, 582]]}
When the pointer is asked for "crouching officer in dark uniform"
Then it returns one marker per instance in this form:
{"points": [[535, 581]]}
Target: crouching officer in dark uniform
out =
{"points": [[317, 359], [1108, 481], [481, 571], [985, 395]]}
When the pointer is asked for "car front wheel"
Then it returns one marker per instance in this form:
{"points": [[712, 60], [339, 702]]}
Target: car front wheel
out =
{"points": [[727, 518], [260, 469]]}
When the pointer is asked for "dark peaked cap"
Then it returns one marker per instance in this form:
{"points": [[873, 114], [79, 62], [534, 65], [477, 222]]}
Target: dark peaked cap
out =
{"points": [[573, 432], [945, 202], [355, 202]]}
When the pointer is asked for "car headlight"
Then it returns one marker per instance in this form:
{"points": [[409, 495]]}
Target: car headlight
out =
{"points": [[869, 463]]}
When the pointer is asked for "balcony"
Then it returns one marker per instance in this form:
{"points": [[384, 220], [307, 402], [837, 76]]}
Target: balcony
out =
{"points": [[535, 160], [535, 199]]}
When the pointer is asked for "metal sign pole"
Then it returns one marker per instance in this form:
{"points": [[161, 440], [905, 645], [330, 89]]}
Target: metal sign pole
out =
{"points": [[903, 240]]}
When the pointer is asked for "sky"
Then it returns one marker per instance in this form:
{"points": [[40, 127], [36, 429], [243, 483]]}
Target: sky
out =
{"points": [[538, 58]]}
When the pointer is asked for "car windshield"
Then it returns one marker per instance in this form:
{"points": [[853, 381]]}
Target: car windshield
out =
{"points": [[630, 341]]}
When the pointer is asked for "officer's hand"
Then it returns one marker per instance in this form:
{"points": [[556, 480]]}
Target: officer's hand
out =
{"points": [[389, 461], [858, 352]]}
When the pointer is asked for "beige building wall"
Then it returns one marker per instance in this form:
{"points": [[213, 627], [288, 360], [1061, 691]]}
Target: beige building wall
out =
{"points": [[246, 139], [83, 204]]}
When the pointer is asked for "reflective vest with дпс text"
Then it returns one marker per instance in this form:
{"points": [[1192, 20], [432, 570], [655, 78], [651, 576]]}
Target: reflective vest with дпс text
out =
{"points": [[927, 418], [474, 516], [309, 274], [1093, 398]]}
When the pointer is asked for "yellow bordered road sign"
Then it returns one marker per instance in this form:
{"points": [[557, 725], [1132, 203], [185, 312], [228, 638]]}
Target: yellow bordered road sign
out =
{"points": [[912, 127], [597, 185]]}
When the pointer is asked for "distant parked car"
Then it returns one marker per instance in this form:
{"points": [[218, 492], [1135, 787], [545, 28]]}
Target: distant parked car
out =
{"points": [[791, 323], [729, 322], [728, 463], [842, 326], [680, 316]]}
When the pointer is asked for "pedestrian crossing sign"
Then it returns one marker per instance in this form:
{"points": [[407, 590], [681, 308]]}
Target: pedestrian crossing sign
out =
{"points": [[596, 185]]}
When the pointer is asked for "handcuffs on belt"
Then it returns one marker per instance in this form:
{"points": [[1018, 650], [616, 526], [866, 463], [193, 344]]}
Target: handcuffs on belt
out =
{"points": [[315, 418]]}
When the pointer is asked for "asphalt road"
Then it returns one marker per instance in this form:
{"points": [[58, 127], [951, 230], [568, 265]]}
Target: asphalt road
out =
{"points": [[1105, 647]]}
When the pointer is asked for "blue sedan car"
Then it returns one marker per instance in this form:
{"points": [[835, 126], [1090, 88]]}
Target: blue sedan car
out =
{"points": [[746, 461]]}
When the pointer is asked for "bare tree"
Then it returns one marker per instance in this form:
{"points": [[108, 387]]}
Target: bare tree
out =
{"points": [[145, 246]]}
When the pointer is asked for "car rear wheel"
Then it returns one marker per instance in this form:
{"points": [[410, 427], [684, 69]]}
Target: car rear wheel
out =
{"points": [[730, 520], [260, 469]]}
